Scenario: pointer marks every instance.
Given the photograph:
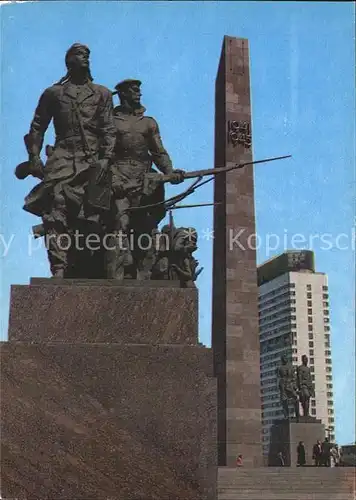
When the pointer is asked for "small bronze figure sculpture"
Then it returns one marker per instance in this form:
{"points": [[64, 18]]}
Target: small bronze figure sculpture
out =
{"points": [[174, 257], [69, 195], [287, 384], [184, 267], [305, 385]]}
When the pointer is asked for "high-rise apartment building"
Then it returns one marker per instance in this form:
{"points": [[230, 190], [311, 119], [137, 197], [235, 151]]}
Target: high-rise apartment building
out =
{"points": [[294, 320]]}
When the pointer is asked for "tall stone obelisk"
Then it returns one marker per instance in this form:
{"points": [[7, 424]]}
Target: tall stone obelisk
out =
{"points": [[235, 337]]}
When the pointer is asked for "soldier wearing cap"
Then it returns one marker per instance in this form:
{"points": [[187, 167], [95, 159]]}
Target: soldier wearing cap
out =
{"points": [[138, 146], [82, 114]]}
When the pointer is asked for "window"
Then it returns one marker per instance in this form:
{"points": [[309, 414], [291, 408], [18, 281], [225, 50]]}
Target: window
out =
{"points": [[308, 287], [311, 352], [311, 344], [311, 361], [325, 296], [326, 320], [313, 402], [313, 411], [291, 285], [292, 293], [327, 336], [327, 353], [326, 312], [293, 325], [328, 377], [310, 328], [313, 378], [325, 304], [312, 369], [309, 295], [331, 420], [310, 319], [293, 318], [295, 359], [326, 328], [329, 386], [309, 303], [310, 311], [325, 288], [330, 403], [330, 394], [328, 361], [310, 336], [330, 411], [293, 309], [327, 344], [295, 351], [328, 369]]}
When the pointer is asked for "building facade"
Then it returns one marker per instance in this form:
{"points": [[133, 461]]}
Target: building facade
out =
{"points": [[294, 320]]}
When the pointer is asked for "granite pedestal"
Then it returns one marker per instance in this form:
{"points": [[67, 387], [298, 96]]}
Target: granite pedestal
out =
{"points": [[286, 435], [93, 407]]}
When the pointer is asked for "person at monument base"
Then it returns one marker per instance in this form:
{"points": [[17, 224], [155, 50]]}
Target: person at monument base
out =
{"points": [[138, 146], [305, 385], [82, 114], [287, 384], [301, 456], [317, 453]]}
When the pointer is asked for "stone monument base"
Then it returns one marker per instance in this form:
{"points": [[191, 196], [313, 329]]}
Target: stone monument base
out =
{"points": [[84, 419], [286, 435]]}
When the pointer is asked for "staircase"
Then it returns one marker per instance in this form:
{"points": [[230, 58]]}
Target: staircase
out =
{"points": [[287, 483]]}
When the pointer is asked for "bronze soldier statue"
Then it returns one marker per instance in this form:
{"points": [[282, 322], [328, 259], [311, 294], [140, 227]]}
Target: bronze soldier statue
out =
{"points": [[305, 385], [138, 147], [287, 386], [82, 114]]}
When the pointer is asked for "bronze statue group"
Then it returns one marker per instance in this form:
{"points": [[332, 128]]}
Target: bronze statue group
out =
{"points": [[95, 187], [296, 385]]}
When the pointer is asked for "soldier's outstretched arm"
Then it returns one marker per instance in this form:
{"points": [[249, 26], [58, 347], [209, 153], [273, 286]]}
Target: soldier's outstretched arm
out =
{"points": [[159, 154], [41, 120]]}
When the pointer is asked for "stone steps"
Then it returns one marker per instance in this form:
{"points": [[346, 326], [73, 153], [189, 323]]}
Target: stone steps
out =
{"points": [[286, 484], [301, 495]]}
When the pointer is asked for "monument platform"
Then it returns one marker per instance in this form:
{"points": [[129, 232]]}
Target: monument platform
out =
{"points": [[286, 435], [88, 413]]}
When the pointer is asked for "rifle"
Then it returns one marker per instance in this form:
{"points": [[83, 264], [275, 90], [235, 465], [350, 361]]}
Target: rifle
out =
{"points": [[210, 171], [152, 179]]}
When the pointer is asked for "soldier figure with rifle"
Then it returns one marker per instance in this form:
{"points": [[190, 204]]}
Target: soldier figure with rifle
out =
{"points": [[73, 180], [138, 147]]}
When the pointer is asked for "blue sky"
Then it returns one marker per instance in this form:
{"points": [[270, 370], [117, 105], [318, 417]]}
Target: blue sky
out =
{"points": [[303, 100]]}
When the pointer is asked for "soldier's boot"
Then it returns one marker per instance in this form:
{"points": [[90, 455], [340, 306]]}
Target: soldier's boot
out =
{"points": [[147, 257], [57, 272], [296, 409], [57, 244], [57, 240], [117, 256], [285, 408]]}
